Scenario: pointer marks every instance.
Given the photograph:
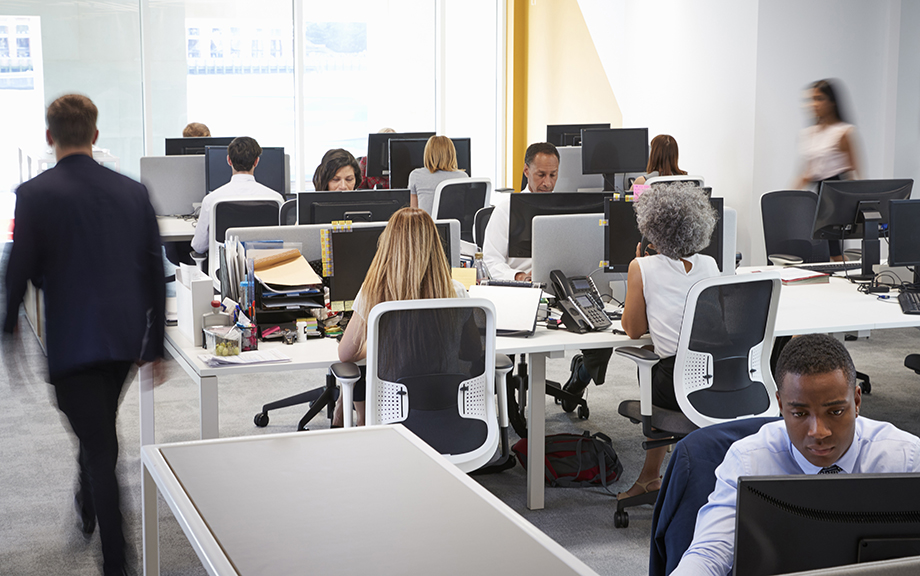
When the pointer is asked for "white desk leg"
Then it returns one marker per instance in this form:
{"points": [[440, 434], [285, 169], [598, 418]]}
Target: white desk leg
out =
{"points": [[149, 526], [207, 387], [536, 430], [147, 415]]}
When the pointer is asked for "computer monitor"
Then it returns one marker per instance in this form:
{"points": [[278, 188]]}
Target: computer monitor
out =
{"points": [[806, 522], [622, 234], [270, 171], [614, 151], [407, 155], [857, 209], [186, 146], [378, 150], [904, 234], [569, 134], [352, 254], [174, 183], [357, 206], [570, 178], [525, 206]]}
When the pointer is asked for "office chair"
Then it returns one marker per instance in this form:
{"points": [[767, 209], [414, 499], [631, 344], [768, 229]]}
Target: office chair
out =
{"points": [[288, 216], [685, 488], [460, 199], [698, 180], [480, 221], [721, 370], [432, 367], [234, 213], [788, 217]]}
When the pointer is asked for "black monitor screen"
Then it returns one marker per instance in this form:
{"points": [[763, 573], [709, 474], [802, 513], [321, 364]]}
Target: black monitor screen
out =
{"points": [[357, 206], [622, 235], [569, 134], [614, 151], [839, 203], [378, 155], [269, 172], [904, 233], [187, 146], [806, 522], [525, 206], [407, 155], [353, 252]]}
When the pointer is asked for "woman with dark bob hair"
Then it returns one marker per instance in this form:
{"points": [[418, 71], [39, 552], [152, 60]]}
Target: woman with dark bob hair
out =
{"points": [[678, 220], [662, 159], [339, 171]]}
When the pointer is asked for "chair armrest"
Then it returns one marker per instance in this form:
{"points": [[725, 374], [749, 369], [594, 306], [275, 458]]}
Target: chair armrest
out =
{"points": [[503, 364], [345, 371], [784, 259], [637, 354]]}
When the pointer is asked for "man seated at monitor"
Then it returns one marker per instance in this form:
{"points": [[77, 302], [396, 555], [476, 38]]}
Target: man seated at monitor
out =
{"points": [[541, 168], [821, 433], [243, 157]]}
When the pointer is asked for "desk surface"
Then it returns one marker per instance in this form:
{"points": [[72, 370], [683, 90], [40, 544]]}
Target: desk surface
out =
{"points": [[175, 229], [400, 508]]}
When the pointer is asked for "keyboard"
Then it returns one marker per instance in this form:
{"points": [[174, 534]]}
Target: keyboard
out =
{"points": [[910, 302], [831, 267], [516, 283]]}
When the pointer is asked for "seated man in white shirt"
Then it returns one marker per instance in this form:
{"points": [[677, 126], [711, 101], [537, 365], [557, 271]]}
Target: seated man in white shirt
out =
{"points": [[541, 168], [243, 157], [821, 433]]}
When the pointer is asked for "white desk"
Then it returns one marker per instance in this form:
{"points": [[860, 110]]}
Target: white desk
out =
{"points": [[174, 229], [241, 502]]}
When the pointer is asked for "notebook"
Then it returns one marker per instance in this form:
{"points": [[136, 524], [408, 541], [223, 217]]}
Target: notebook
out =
{"points": [[515, 308]]}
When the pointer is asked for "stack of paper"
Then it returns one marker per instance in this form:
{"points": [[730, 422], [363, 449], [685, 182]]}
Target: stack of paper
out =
{"points": [[250, 357], [799, 277]]}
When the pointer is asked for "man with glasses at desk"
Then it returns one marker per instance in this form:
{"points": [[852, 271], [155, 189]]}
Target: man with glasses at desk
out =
{"points": [[541, 168]]}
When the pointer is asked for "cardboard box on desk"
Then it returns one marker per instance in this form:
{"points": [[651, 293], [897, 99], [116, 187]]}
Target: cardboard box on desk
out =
{"points": [[194, 293]]}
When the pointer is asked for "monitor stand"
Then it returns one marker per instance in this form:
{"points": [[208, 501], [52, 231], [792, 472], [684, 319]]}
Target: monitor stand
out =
{"points": [[871, 247]]}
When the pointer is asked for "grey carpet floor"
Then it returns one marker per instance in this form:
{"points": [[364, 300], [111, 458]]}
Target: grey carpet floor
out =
{"points": [[38, 533]]}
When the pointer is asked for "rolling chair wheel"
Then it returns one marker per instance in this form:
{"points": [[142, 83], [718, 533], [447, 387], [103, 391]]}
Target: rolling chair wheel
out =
{"points": [[583, 412], [558, 401], [261, 420], [621, 519]]}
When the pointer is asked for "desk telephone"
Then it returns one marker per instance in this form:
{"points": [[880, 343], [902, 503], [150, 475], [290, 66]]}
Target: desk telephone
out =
{"points": [[581, 304]]}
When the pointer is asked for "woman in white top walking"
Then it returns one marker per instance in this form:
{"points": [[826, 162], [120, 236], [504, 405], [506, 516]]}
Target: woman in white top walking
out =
{"points": [[827, 147]]}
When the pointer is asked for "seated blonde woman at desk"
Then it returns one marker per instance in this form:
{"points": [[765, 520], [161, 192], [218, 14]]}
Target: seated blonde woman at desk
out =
{"points": [[677, 219], [440, 165], [337, 172], [662, 159], [410, 264]]}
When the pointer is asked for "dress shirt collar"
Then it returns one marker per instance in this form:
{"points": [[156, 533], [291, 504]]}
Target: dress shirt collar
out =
{"points": [[847, 462], [242, 178]]}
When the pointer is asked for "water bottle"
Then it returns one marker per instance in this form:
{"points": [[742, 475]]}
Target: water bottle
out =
{"points": [[482, 271]]}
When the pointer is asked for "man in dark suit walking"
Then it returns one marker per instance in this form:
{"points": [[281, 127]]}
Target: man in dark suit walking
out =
{"points": [[88, 238]]}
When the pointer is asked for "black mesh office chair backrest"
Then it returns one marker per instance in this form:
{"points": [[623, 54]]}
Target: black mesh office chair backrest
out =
{"points": [[430, 367], [460, 200], [288, 213], [729, 323], [480, 221], [235, 214], [788, 217]]}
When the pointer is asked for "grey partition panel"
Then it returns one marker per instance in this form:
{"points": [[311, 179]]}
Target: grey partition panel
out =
{"points": [[570, 177], [309, 235], [572, 243], [729, 240], [174, 182]]}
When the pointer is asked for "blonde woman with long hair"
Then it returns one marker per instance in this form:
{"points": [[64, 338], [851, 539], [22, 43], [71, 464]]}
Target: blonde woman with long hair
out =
{"points": [[410, 264], [440, 165]]}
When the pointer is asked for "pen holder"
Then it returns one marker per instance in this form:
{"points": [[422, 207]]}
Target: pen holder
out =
{"points": [[249, 340]]}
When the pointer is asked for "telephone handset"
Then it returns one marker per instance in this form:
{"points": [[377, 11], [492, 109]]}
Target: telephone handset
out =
{"points": [[581, 303]]}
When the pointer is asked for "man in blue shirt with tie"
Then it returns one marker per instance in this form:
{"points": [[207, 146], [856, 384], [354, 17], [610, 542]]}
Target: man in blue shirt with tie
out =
{"points": [[821, 433]]}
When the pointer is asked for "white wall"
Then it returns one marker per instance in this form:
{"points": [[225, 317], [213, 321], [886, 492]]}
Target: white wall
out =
{"points": [[688, 70], [725, 78]]}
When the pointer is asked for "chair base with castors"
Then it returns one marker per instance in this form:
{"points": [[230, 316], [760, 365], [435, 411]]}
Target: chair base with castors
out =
{"points": [[318, 399], [912, 361], [517, 385]]}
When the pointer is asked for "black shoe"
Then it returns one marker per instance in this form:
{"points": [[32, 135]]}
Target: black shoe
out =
{"points": [[575, 385], [86, 518]]}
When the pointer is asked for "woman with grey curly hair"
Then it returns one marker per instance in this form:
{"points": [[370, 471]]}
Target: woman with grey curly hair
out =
{"points": [[677, 219]]}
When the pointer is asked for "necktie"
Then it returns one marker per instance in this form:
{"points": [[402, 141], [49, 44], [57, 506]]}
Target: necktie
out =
{"points": [[831, 470]]}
